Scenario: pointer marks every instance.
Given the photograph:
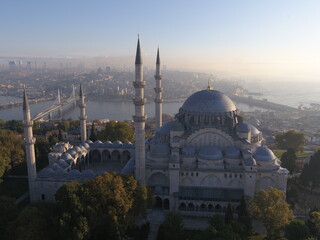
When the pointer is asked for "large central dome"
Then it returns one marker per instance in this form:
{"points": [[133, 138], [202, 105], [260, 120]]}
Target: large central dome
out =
{"points": [[208, 102]]}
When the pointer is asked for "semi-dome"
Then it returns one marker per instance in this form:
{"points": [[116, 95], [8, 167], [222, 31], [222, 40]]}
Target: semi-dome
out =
{"points": [[232, 152], [208, 102], [188, 150], [210, 153], [264, 154], [160, 150], [243, 128]]}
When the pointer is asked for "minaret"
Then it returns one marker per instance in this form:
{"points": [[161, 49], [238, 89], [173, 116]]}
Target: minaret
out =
{"points": [[139, 118], [158, 90], [83, 116], [29, 141]]}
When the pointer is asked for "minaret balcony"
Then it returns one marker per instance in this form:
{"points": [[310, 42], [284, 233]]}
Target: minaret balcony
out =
{"points": [[158, 77], [139, 101], [139, 84], [27, 123], [81, 105], [158, 89], [29, 141], [158, 100], [138, 119]]}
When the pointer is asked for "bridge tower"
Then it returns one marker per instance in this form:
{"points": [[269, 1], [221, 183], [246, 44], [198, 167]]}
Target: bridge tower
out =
{"points": [[59, 102], [83, 116], [139, 118], [29, 141], [158, 90], [73, 95]]}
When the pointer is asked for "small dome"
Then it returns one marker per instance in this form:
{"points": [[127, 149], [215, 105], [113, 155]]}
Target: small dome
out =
{"points": [[88, 174], [46, 173], [107, 144], [232, 152], [62, 163], [188, 151], [86, 145], [55, 166], [166, 128], [83, 149], [66, 156], [89, 141], [250, 162], [264, 154], [210, 153], [160, 149], [117, 144], [128, 144], [97, 143], [60, 173], [73, 174], [177, 126], [208, 102], [78, 149], [243, 128], [254, 131]]}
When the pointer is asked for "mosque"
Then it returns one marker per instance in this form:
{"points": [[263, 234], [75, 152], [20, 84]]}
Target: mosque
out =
{"points": [[198, 163]]}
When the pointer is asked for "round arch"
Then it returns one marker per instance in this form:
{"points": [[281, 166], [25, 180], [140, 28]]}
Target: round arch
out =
{"points": [[106, 157], [95, 156], [125, 156], [210, 181], [115, 156]]}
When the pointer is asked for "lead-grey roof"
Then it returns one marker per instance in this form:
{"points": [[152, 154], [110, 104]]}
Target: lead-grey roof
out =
{"points": [[208, 102], [264, 154]]}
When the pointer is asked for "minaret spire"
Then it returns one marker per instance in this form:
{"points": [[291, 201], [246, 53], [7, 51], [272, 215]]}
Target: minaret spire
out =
{"points": [[158, 91], [139, 118], [29, 141], [138, 53], [83, 116]]}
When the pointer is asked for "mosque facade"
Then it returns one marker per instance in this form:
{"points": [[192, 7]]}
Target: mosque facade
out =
{"points": [[198, 163]]}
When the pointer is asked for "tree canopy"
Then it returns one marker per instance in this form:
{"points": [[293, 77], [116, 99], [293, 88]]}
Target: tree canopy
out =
{"points": [[103, 207], [116, 131], [290, 139], [270, 208], [310, 172], [297, 230], [288, 160]]}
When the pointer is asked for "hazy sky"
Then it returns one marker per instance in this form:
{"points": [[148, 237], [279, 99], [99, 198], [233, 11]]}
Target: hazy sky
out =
{"points": [[268, 39]]}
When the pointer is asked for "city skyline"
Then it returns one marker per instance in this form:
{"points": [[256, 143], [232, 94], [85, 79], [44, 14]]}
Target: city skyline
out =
{"points": [[245, 39]]}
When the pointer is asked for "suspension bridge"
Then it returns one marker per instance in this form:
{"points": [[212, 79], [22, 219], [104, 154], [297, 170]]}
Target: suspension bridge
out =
{"points": [[57, 106]]}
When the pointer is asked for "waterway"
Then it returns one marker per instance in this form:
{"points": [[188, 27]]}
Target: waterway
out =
{"points": [[288, 93], [103, 110]]}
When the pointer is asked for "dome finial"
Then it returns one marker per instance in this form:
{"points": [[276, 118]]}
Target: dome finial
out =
{"points": [[209, 87]]}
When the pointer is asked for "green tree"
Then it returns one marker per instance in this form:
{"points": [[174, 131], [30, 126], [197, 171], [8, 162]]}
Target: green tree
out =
{"points": [[228, 217], [12, 150], [297, 230], [290, 139], [172, 228], [35, 222], [14, 125], [305, 177], [288, 160], [244, 216], [270, 208], [116, 131], [101, 208], [42, 148], [93, 134], [314, 224]]}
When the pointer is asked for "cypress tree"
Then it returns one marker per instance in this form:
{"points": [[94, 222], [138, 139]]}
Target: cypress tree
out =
{"points": [[93, 134], [228, 217]]}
